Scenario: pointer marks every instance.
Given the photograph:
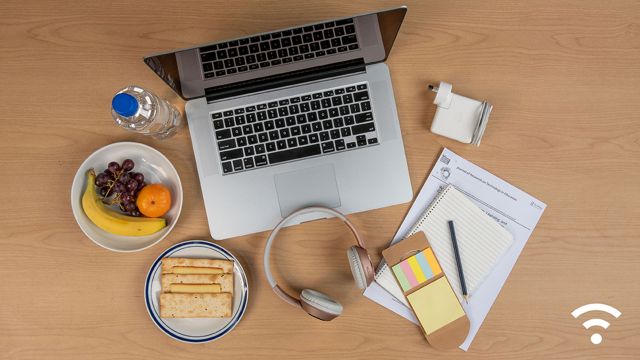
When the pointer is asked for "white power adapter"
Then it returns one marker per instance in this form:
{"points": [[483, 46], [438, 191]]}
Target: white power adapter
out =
{"points": [[458, 117]]}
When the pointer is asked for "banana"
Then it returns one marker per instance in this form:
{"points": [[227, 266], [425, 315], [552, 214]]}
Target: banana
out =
{"points": [[112, 221]]}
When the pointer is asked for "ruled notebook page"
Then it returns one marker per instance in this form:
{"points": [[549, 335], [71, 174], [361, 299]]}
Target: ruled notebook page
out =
{"points": [[481, 240]]}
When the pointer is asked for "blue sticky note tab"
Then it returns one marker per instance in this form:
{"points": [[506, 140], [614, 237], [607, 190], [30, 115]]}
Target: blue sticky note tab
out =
{"points": [[424, 265]]}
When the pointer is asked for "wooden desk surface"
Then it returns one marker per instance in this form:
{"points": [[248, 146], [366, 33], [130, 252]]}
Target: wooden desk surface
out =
{"points": [[564, 78]]}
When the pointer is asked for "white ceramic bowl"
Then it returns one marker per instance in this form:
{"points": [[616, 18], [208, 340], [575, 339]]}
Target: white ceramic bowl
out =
{"points": [[155, 167]]}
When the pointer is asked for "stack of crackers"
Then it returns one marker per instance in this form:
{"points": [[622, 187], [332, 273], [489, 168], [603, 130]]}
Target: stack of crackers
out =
{"points": [[196, 288]]}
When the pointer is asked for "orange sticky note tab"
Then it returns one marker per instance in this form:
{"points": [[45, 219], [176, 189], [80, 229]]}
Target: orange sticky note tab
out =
{"points": [[433, 263]]}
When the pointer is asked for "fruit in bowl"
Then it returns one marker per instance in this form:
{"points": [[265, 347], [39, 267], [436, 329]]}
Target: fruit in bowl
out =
{"points": [[113, 221], [118, 185], [156, 169]]}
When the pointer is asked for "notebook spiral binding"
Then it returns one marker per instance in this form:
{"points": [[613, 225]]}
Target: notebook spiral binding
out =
{"points": [[424, 217]]}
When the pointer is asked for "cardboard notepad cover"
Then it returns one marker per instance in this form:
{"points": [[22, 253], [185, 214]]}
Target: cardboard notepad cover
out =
{"points": [[433, 301]]}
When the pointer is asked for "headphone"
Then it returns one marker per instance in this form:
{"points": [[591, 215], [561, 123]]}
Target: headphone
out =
{"points": [[314, 302]]}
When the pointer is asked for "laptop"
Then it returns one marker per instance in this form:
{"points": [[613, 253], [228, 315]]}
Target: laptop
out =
{"points": [[303, 116]]}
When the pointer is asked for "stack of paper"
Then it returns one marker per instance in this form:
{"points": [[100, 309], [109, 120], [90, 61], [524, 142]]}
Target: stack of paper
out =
{"points": [[516, 211]]}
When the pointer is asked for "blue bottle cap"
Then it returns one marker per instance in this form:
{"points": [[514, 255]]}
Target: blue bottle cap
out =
{"points": [[124, 104]]}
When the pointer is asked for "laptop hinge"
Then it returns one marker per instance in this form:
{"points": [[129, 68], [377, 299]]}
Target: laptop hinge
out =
{"points": [[285, 79]]}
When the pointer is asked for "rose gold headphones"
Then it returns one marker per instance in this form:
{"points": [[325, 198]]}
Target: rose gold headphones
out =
{"points": [[314, 302]]}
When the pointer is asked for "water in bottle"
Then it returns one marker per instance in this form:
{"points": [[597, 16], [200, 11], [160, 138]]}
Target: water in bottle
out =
{"points": [[139, 110]]}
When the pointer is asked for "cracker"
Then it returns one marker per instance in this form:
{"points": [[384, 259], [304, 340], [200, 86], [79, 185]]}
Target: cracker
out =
{"points": [[195, 305], [225, 280], [168, 263], [194, 288], [196, 270]]}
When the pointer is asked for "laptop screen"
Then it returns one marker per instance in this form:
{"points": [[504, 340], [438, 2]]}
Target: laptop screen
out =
{"points": [[364, 38]]}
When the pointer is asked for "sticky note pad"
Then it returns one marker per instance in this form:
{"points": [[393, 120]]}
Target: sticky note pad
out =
{"points": [[417, 269], [435, 305]]}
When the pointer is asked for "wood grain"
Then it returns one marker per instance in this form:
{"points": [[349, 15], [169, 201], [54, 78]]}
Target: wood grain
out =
{"points": [[564, 78]]}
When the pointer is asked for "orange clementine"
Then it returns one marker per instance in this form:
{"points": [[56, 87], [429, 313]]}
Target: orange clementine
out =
{"points": [[154, 200]]}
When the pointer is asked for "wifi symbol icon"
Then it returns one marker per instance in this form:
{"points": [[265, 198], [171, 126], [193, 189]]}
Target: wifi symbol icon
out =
{"points": [[596, 338]]}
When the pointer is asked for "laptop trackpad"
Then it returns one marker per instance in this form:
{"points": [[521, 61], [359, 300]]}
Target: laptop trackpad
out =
{"points": [[314, 186]]}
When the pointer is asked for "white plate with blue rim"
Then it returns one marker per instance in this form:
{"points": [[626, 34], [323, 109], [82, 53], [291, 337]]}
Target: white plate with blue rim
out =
{"points": [[199, 330]]}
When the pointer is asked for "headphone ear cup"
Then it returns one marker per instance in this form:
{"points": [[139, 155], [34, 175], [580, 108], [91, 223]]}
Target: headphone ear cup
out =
{"points": [[320, 305], [361, 266]]}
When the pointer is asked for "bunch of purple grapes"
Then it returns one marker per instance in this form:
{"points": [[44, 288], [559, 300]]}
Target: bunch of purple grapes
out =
{"points": [[119, 185]]}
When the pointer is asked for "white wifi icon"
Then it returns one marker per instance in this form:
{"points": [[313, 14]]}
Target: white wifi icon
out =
{"points": [[596, 338]]}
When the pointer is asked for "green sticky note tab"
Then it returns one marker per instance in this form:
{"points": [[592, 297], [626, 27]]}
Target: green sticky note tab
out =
{"points": [[402, 279]]}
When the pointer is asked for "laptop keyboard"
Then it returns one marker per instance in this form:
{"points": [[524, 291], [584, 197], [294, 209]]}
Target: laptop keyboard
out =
{"points": [[278, 48], [293, 128]]}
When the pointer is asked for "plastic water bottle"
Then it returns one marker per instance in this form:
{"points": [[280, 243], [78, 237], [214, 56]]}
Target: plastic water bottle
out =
{"points": [[139, 110]]}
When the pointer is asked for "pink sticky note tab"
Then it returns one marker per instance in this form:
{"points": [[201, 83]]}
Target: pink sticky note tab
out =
{"points": [[406, 269]]}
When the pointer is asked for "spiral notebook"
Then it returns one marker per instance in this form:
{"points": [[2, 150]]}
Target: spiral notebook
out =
{"points": [[481, 241]]}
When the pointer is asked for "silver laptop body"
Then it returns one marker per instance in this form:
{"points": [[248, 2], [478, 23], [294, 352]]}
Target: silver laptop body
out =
{"points": [[292, 118]]}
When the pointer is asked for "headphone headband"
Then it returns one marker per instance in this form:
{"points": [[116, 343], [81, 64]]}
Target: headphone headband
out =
{"points": [[281, 224]]}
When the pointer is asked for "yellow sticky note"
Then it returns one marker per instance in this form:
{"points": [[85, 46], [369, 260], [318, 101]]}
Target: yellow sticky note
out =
{"points": [[415, 267], [435, 305]]}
